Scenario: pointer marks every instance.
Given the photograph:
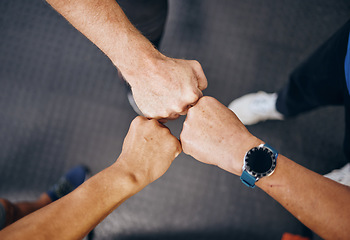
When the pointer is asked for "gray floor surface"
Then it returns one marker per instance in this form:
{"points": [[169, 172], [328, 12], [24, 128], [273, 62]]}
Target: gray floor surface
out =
{"points": [[61, 103]]}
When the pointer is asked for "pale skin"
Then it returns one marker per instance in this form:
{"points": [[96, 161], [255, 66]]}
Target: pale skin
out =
{"points": [[162, 87], [75, 215], [214, 135]]}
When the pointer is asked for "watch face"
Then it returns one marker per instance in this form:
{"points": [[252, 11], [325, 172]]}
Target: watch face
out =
{"points": [[260, 162]]}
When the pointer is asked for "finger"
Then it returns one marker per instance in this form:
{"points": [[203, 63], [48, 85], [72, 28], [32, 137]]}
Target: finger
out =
{"points": [[183, 141], [185, 110], [199, 94], [201, 78], [207, 101], [202, 82], [190, 102], [173, 116], [178, 150], [160, 122], [161, 115], [138, 120]]}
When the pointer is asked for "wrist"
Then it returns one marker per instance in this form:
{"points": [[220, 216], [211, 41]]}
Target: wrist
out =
{"points": [[137, 60], [133, 179], [125, 178], [236, 158], [259, 162], [277, 178]]}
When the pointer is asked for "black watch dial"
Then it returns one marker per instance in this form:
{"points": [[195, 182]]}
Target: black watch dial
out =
{"points": [[260, 161]]}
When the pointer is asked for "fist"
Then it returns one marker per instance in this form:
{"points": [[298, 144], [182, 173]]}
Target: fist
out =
{"points": [[148, 150], [166, 89], [214, 135]]}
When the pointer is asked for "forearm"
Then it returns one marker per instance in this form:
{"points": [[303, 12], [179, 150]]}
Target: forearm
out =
{"points": [[213, 134], [319, 203], [74, 215], [162, 87], [105, 24]]}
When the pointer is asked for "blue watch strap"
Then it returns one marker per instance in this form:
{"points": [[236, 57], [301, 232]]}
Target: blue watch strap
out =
{"points": [[248, 179]]}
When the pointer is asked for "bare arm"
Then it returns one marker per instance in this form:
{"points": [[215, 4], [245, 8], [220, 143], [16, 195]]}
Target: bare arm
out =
{"points": [[74, 215], [163, 87], [318, 202], [105, 24], [213, 134]]}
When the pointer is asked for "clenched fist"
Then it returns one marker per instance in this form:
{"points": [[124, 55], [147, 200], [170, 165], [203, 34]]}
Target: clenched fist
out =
{"points": [[214, 135], [148, 150], [166, 88]]}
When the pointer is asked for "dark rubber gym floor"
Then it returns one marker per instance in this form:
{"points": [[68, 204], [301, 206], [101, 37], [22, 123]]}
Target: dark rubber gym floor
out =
{"points": [[61, 103]]}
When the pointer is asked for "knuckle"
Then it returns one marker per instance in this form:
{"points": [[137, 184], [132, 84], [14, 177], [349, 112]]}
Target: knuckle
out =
{"points": [[151, 125], [197, 68], [178, 108], [193, 111], [165, 131], [153, 121], [190, 110], [178, 148], [189, 117], [138, 120], [185, 147], [174, 142], [196, 63], [204, 84], [187, 122], [191, 97], [164, 114], [183, 137], [211, 99], [174, 114], [205, 100]]}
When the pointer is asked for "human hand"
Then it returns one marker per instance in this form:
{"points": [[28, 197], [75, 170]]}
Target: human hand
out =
{"points": [[148, 150], [167, 87], [213, 134]]}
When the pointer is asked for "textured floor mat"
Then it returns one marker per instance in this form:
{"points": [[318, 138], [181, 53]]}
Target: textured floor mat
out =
{"points": [[61, 103]]}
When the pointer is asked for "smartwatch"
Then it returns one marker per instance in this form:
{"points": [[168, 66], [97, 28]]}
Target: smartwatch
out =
{"points": [[258, 162]]}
